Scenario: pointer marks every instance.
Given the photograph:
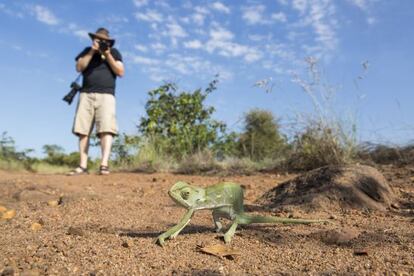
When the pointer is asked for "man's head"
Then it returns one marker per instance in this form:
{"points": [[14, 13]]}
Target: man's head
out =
{"points": [[102, 34]]}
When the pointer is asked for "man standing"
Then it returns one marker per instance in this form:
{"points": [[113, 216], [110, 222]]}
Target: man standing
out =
{"points": [[100, 65]]}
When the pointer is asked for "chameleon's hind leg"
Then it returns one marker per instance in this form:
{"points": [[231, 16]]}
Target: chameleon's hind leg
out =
{"points": [[230, 233], [217, 223]]}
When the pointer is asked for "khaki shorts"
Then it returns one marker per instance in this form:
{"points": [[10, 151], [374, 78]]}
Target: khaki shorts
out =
{"points": [[95, 109]]}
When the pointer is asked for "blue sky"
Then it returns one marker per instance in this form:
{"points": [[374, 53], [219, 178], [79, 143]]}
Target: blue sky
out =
{"points": [[190, 41]]}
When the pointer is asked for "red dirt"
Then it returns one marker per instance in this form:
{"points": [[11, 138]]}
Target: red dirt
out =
{"points": [[106, 225]]}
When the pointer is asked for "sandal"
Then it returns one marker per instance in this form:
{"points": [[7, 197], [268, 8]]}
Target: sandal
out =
{"points": [[78, 171], [104, 170]]}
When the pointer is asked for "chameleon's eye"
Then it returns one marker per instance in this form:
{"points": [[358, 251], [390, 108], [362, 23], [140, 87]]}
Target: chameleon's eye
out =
{"points": [[185, 194]]}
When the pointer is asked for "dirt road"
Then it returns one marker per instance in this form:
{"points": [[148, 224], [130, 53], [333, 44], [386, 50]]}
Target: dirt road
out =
{"points": [[106, 225]]}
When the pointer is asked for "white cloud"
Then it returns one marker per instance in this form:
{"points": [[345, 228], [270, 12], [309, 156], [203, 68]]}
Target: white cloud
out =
{"points": [[10, 12], [202, 10], [198, 18], [144, 60], [140, 3], [322, 19], [175, 30], [300, 5], [220, 7], [45, 15], [141, 48], [193, 44], [75, 30], [365, 6], [221, 34], [149, 16], [254, 14], [280, 16], [320, 16], [221, 42], [362, 4], [81, 34], [259, 38], [158, 47], [189, 65]]}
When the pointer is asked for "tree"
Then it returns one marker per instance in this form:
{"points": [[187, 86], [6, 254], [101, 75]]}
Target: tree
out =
{"points": [[261, 137], [180, 123]]}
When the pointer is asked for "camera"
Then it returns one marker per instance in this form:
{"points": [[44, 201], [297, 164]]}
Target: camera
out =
{"points": [[103, 46], [75, 88]]}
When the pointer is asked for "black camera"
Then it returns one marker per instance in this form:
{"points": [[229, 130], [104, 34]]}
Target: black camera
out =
{"points": [[75, 88], [103, 46]]}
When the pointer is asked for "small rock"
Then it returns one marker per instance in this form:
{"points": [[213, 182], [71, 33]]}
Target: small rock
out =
{"points": [[9, 214], [395, 206], [2, 209], [341, 236], [360, 252], [53, 203], [126, 244], [75, 231], [8, 271], [36, 226]]}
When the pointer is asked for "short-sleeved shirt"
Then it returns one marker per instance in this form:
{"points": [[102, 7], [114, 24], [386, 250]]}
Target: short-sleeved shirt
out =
{"points": [[98, 77]]}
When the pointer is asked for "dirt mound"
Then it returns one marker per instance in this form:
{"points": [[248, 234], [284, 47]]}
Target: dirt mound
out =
{"points": [[333, 188]]}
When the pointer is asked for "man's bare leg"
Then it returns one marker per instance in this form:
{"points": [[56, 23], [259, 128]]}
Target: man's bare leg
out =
{"points": [[83, 150], [106, 145]]}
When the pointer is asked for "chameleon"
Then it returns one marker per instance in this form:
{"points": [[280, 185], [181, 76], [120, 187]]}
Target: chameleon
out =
{"points": [[225, 199]]}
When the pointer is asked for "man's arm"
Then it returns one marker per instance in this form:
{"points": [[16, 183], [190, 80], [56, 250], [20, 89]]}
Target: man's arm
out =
{"points": [[83, 62], [116, 65]]}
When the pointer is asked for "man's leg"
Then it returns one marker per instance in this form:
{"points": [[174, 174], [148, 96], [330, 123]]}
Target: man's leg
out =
{"points": [[106, 145], [83, 150]]}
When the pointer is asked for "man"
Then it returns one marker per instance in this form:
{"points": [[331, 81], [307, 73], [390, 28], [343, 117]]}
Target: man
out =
{"points": [[100, 65]]}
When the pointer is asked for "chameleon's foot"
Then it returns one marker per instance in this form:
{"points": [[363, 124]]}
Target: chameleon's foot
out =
{"points": [[227, 238], [160, 241]]}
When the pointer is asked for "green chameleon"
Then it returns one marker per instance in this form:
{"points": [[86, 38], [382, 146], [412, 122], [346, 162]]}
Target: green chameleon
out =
{"points": [[226, 201]]}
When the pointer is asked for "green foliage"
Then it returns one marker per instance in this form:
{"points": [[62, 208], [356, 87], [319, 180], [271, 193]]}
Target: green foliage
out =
{"points": [[56, 156], [124, 149], [261, 137], [10, 157], [179, 123], [319, 145], [386, 154]]}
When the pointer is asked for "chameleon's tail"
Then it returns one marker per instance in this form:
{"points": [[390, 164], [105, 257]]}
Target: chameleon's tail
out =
{"points": [[248, 219]]}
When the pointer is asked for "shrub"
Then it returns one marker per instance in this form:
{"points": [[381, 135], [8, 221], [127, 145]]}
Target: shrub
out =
{"points": [[261, 137], [320, 145], [180, 122]]}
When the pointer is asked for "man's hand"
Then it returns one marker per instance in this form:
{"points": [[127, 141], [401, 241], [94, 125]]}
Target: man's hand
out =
{"points": [[95, 45]]}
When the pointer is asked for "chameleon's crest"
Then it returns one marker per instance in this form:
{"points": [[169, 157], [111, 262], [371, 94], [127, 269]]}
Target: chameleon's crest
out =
{"points": [[185, 194]]}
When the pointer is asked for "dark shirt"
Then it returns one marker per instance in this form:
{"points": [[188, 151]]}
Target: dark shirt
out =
{"points": [[98, 77]]}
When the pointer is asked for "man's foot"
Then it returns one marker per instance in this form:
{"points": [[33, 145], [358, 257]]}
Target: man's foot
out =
{"points": [[78, 171], [104, 170]]}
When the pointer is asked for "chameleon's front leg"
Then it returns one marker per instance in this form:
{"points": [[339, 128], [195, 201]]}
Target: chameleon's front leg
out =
{"points": [[175, 230], [230, 233]]}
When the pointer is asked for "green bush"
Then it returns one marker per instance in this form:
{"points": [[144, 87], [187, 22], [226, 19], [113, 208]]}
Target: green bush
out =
{"points": [[11, 158], [320, 145], [179, 123], [261, 138]]}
